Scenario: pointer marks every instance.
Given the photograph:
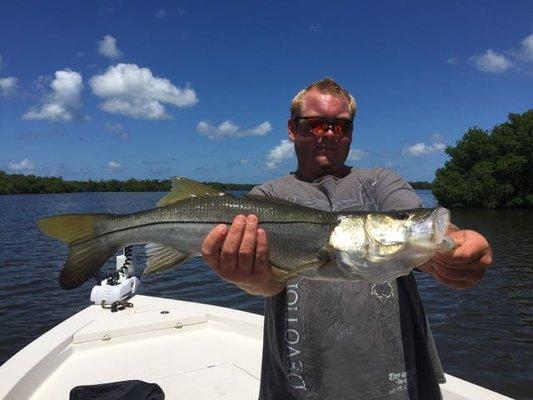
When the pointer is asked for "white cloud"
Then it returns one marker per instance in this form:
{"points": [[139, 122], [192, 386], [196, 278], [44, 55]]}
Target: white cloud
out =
{"points": [[452, 61], [526, 51], [492, 62], [107, 47], [421, 149], [229, 129], [161, 13], [439, 146], [356, 154], [26, 166], [113, 166], [117, 130], [7, 85], [437, 138], [136, 92], [42, 82], [63, 102], [279, 153]]}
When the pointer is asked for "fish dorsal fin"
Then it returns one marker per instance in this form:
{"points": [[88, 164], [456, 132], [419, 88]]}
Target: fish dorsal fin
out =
{"points": [[183, 188], [161, 258]]}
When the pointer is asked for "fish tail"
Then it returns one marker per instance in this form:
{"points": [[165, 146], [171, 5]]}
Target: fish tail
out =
{"points": [[88, 251]]}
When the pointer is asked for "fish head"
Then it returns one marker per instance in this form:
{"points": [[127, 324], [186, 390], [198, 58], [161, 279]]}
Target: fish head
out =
{"points": [[381, 246], [422, 228]]}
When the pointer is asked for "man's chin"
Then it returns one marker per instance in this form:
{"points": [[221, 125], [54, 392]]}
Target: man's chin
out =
{"points": [[324, 162]]}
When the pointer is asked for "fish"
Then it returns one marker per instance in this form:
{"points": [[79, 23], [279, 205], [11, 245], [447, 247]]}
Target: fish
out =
{"points": [[367, 246]]}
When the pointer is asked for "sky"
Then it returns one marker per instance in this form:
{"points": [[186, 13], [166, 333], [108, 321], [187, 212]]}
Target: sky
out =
{"points": [[202, 89]]}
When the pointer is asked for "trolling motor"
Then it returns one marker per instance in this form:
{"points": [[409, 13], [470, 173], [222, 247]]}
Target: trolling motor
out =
{"points": [[114, 291]]}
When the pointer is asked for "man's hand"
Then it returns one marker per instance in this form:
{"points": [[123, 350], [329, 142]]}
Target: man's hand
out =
{"points": [[240, 256], [465, 265]]}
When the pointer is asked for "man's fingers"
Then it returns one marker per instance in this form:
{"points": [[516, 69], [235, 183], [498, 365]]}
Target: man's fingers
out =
{"points": [[247, 248], [230, 249], [453, 283], [212, 244], [471, 246], [239, 254], [466, 262], [261, 265], [466, 274]]}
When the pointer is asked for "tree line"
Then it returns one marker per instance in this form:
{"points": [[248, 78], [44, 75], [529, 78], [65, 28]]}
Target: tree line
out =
{"points": [[490, 169], [19, 184]]}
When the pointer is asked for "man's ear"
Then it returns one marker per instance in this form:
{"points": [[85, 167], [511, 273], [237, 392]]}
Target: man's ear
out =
{"points": [[292, 129]]}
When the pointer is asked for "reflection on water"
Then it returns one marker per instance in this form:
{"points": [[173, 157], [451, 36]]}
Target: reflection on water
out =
{"points": [[484, 335]]}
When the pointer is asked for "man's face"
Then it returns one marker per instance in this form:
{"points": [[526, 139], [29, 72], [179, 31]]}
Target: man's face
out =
{"points": [[323, 155]]}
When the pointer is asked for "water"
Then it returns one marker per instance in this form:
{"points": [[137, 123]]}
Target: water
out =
{"points": [[483, 335]]}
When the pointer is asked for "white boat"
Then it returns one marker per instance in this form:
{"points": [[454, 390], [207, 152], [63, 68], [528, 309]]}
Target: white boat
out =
{"points": [[191, 350]]}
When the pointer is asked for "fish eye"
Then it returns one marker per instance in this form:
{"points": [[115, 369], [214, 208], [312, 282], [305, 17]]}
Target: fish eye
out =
{"points": [[402, 215]]}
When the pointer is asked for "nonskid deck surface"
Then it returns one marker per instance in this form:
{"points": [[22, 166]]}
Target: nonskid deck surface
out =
{"points": [[191, 350]]}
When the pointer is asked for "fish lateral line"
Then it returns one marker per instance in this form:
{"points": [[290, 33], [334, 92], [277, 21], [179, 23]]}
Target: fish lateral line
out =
{"points": [[79, 242]]}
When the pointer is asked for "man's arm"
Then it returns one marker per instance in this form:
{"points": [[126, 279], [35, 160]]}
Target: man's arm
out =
{"points": [[464, 266], [239, 254]]}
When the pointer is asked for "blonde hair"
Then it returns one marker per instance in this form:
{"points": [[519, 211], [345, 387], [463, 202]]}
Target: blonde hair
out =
{"points": [[327, 86]]}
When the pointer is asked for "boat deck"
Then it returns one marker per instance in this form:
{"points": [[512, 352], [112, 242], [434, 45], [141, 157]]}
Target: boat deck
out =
{"points": [[191, 350]]}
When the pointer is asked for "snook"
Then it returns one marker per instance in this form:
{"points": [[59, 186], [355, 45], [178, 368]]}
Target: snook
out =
{"points": [[302, 241]]}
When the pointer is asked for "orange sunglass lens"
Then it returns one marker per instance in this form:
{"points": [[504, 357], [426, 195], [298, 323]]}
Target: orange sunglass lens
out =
{"points": [[318, 126]]}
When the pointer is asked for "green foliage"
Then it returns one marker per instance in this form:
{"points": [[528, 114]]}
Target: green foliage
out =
{"points": [[490, 169], [17, 184], [420, 185]]}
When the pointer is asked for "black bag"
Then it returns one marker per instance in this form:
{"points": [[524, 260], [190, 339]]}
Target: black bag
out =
{"points": [[125, 390]]}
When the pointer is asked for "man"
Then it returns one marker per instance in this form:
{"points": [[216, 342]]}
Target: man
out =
{"points": [[330, 339]]}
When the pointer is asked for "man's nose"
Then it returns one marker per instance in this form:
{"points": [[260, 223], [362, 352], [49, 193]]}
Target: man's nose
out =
{"points": [[329, 134]]}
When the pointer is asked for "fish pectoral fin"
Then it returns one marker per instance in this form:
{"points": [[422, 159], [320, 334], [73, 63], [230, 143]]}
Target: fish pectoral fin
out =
{"points": [[183, 188], [283, 275], [161, 258]]}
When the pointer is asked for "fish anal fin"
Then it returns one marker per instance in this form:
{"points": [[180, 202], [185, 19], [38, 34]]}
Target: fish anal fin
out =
{"points": [[183, 188], [161, 258]]}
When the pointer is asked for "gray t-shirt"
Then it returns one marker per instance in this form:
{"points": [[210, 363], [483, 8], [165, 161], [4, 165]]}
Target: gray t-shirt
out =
{"points": [[348, 340]]}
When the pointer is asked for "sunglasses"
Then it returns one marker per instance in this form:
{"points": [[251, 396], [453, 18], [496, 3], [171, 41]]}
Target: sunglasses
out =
{"points": [[318, 126]]}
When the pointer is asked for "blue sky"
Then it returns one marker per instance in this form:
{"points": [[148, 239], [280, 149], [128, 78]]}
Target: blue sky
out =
{"points": [[120, 89]]}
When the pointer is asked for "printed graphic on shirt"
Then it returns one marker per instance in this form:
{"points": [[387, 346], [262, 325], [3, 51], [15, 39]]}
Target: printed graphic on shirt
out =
{"points": [[334, 341]]}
